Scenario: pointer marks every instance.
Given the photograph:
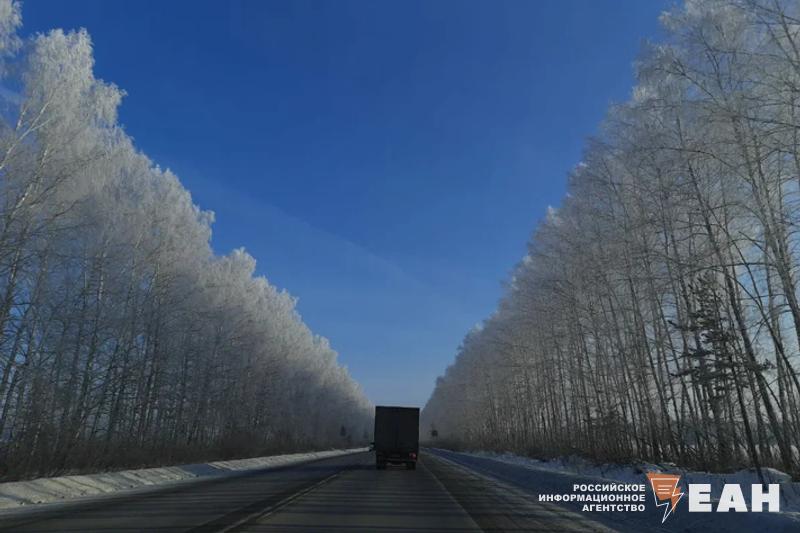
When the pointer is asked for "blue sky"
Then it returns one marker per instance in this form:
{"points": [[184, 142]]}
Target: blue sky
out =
{"points": [[385, 161]]}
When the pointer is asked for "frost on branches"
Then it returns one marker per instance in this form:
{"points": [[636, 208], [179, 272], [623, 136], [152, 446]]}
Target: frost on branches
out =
{"points": [[123, 339], [656, 314]]}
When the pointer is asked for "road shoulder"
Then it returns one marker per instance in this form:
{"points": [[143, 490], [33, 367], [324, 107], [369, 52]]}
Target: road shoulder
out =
{"points": [[496, 506]]}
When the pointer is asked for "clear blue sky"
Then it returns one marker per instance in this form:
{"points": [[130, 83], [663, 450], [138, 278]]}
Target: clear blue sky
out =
{"points": [[385, 161]]}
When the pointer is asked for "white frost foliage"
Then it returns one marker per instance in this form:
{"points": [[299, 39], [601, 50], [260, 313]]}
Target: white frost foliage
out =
{"points": [[98, 239], [59, 80], [10, 20], [682, 218]]}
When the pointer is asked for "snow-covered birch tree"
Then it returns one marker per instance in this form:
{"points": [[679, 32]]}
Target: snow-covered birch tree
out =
{"points": [[655, 315], [124, 340]]}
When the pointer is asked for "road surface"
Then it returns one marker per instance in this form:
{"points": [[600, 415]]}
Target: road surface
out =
{"points": [[341, 494]]}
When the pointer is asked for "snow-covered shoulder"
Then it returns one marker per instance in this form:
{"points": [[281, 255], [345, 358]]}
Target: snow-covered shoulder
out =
{"points": [[558, 476], [58, 489]]}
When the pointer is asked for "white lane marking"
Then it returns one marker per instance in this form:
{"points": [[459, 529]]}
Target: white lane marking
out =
{"points": [[449, 495], [527, 498], [277, 506]]}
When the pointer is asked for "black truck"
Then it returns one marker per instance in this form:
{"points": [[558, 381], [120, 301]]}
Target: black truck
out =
{"points": [[396, 436]]}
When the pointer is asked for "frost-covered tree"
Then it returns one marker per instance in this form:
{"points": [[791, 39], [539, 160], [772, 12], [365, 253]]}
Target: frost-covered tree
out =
{"points": [[656, 314], [123, 339]]}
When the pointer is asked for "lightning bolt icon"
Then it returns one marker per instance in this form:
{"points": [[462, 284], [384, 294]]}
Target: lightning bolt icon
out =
{"points": [[665, 491]]}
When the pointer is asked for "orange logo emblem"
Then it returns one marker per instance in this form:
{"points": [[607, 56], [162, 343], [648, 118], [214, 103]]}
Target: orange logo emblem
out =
{"points": [[665, 491]]}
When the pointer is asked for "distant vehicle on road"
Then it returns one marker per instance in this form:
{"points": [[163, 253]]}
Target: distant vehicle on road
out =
{"points": [[396, 436]]}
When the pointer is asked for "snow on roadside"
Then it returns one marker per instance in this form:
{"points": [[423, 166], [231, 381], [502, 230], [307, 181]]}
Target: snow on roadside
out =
{"points": [[45, 490], [633, 473], [559, 476]]}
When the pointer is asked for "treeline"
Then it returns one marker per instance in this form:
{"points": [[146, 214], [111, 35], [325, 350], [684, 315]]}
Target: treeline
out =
{"points": [[656, 314], [123, 339]]}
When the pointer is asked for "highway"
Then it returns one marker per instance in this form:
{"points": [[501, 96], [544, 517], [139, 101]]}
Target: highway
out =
{"points": [[342, 494]]}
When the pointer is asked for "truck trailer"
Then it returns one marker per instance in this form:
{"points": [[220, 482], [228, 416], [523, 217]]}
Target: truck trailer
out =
{"points": [[396, 436]]}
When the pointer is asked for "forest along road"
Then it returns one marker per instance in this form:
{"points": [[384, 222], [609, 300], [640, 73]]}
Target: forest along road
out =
{"points": [[344, 493]]}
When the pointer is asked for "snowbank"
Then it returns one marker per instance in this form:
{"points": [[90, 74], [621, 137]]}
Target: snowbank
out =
{"points": [[45, 490], [557, 476]]}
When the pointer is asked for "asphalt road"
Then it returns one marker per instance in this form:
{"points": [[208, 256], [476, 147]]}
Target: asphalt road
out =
{"points": [[342, 494]]}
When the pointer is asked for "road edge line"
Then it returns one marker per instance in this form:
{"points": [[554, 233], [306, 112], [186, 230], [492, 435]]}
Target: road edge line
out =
{"points": [[276, 506]]}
